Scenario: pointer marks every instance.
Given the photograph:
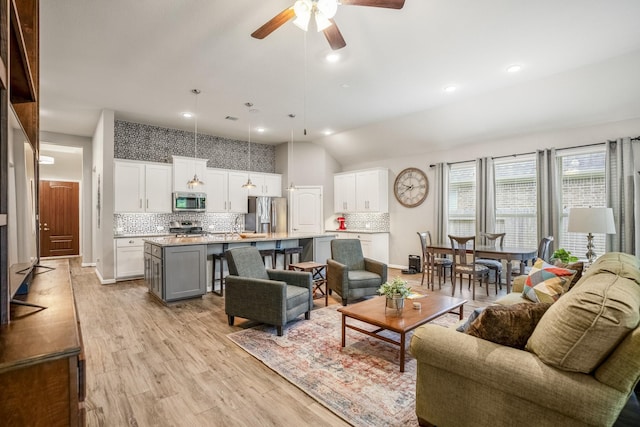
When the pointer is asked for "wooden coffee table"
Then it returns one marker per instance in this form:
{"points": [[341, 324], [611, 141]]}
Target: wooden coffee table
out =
{"points": [[373, 312]]}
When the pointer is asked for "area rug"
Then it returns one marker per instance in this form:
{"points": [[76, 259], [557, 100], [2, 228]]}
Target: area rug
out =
{"points": [[361, 383]]}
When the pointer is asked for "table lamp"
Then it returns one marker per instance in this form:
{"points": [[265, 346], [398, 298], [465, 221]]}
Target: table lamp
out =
{"points": [[591, 220]]}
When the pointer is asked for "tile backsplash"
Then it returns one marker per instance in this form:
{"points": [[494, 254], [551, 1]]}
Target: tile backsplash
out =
{"points": [[367, 221], [146, 223], [136, 141]]}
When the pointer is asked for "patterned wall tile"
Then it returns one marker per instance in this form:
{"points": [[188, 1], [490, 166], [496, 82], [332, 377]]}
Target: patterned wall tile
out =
{"points": [[145, 224], [367, 221], [135, 141]]}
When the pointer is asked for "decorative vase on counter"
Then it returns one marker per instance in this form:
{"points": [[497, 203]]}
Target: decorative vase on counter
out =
{"points": [[395, 302]]}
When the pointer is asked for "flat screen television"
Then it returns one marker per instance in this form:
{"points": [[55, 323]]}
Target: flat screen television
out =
{"points": [[22, 226]]}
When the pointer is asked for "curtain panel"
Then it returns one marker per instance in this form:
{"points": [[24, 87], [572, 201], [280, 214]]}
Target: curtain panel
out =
{"points": [[485, 196], [441, 190], [622, 170], [549, 211]]}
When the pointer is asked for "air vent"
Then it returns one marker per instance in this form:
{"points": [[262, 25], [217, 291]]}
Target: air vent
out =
{"points": [[231, 118]]}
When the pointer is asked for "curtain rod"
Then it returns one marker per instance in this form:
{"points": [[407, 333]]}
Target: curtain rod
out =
{"points": [[637, 138]]}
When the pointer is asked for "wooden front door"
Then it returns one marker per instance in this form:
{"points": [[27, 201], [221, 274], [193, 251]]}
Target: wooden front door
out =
{"points": [[59, 218]]}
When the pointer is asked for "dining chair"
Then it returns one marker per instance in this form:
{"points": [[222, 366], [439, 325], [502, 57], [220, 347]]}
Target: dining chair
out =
{"points": [[440, 264], [544, 252], [495, 265], [461, 265]]}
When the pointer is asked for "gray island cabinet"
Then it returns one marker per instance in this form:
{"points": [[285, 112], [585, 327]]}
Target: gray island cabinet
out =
{"points": [[175, 272]]}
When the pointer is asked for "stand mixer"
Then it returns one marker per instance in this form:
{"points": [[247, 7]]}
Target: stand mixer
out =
{"points": [[341, 221]]}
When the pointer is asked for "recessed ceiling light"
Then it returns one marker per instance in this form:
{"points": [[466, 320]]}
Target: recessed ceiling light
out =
{"points": [[328, 132], [332, 57], [450, 88], [187, 115], [260, 129], [514, 68], [345, 85]]}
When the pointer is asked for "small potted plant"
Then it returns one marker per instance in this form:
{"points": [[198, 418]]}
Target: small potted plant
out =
{"points": [[563, 256], [395, 291]]}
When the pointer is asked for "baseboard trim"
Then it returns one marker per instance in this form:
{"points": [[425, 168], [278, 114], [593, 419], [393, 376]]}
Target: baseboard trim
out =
{"points": [[88, 264], [103, 280]]}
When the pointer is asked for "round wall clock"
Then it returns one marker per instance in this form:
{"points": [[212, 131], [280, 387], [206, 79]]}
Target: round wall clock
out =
{"points": [[411, 187]]}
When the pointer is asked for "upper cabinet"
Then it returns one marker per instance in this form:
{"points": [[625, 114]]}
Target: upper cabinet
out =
{"points": [[362, 191], [266, 184], [142, 187], [344, 190], [225, 192], [183, 170]]}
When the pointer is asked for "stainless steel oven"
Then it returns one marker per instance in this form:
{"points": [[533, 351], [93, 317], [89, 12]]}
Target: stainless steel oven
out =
{"points": [[189, 202]]}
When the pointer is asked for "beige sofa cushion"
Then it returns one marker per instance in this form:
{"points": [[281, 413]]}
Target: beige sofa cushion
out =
{"points": [[580, 330]]}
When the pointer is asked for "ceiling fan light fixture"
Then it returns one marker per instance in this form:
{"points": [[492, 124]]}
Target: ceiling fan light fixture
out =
{"points": [[302, 9], [327, 7], [322, 22]]}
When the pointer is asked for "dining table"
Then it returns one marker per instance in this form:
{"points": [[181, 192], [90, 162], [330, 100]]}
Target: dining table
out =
{"points": [[499, 253]]}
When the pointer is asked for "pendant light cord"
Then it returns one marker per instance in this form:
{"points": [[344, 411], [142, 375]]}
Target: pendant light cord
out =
{"points": [[304, 97]]}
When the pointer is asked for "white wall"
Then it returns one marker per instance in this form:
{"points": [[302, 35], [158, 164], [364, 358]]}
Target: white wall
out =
{"points": [[102, 184], [78, 170], [405, 222], [310, 165]]}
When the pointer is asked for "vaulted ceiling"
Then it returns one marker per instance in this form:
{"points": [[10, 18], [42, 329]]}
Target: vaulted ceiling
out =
{"points": [[580, 61]]}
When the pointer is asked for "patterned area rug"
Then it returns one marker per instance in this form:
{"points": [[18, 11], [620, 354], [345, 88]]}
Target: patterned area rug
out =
{"points": [[360, 383]]}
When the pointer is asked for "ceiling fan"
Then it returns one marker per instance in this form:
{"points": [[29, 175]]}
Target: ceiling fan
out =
{"points": [[323, 11]]}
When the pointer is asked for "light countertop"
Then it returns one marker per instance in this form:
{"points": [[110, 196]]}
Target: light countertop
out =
{"points": [[358, 231], [231, 238]]}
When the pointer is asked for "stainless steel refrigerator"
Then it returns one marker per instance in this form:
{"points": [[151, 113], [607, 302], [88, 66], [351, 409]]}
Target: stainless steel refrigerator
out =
{"points": [[266, 215]]}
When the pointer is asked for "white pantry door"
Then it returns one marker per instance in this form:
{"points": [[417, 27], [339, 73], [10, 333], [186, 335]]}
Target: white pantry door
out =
{"points": [[306, 209]]}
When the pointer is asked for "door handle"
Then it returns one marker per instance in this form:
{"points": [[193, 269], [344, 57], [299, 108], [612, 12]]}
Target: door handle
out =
{"points": [[46, 229], [147, 203]]}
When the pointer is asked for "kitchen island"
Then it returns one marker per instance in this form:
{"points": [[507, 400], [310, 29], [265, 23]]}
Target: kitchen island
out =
{"points": [[175, 268]]}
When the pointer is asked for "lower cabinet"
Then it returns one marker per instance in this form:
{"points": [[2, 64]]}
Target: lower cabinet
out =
{"points": [[129, 258], [176, 272]]}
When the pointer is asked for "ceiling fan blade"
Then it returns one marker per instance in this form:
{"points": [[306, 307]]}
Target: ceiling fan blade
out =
{"points": [[274, 23], [334, 36], [390, 4]]}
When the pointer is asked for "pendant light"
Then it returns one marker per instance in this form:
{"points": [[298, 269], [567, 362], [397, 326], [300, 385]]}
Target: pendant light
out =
{"points": [[249, 184], [195, 182], [291, 187]]}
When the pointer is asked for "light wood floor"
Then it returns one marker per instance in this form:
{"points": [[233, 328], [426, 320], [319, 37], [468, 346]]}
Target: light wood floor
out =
{"points": [[153, 365]]}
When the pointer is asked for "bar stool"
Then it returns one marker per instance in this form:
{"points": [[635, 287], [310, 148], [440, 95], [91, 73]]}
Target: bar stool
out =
{"points": [[219, 257], [268, 253], [289, 252]]}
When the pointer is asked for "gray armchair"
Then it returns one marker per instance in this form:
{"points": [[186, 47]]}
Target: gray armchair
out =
{"points": [[274, 297], [350, 274]]}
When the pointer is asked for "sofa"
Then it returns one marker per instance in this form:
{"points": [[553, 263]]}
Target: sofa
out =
{"points": [[579, 367]]}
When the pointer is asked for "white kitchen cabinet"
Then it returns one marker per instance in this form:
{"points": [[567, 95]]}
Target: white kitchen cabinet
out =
{"points": [[225, 192], [129, 258], [374, 245], [372, 190], [183, 170], [266, 184], [362, 191], [142, 187], [344, 189]]}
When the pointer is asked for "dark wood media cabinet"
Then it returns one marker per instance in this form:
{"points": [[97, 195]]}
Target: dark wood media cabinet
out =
{"points": [[42, 367]]}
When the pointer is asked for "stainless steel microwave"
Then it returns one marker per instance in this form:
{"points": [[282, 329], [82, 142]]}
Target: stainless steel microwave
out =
{"points": [[189, 202]]}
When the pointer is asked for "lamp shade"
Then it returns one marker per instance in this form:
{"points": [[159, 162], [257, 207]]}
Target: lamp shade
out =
{"points": [[591, 220]]}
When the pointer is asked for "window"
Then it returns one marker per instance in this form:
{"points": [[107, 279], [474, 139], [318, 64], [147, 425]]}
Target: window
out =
{"points": [[582, 172], [515, 183], [462, 199]]}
